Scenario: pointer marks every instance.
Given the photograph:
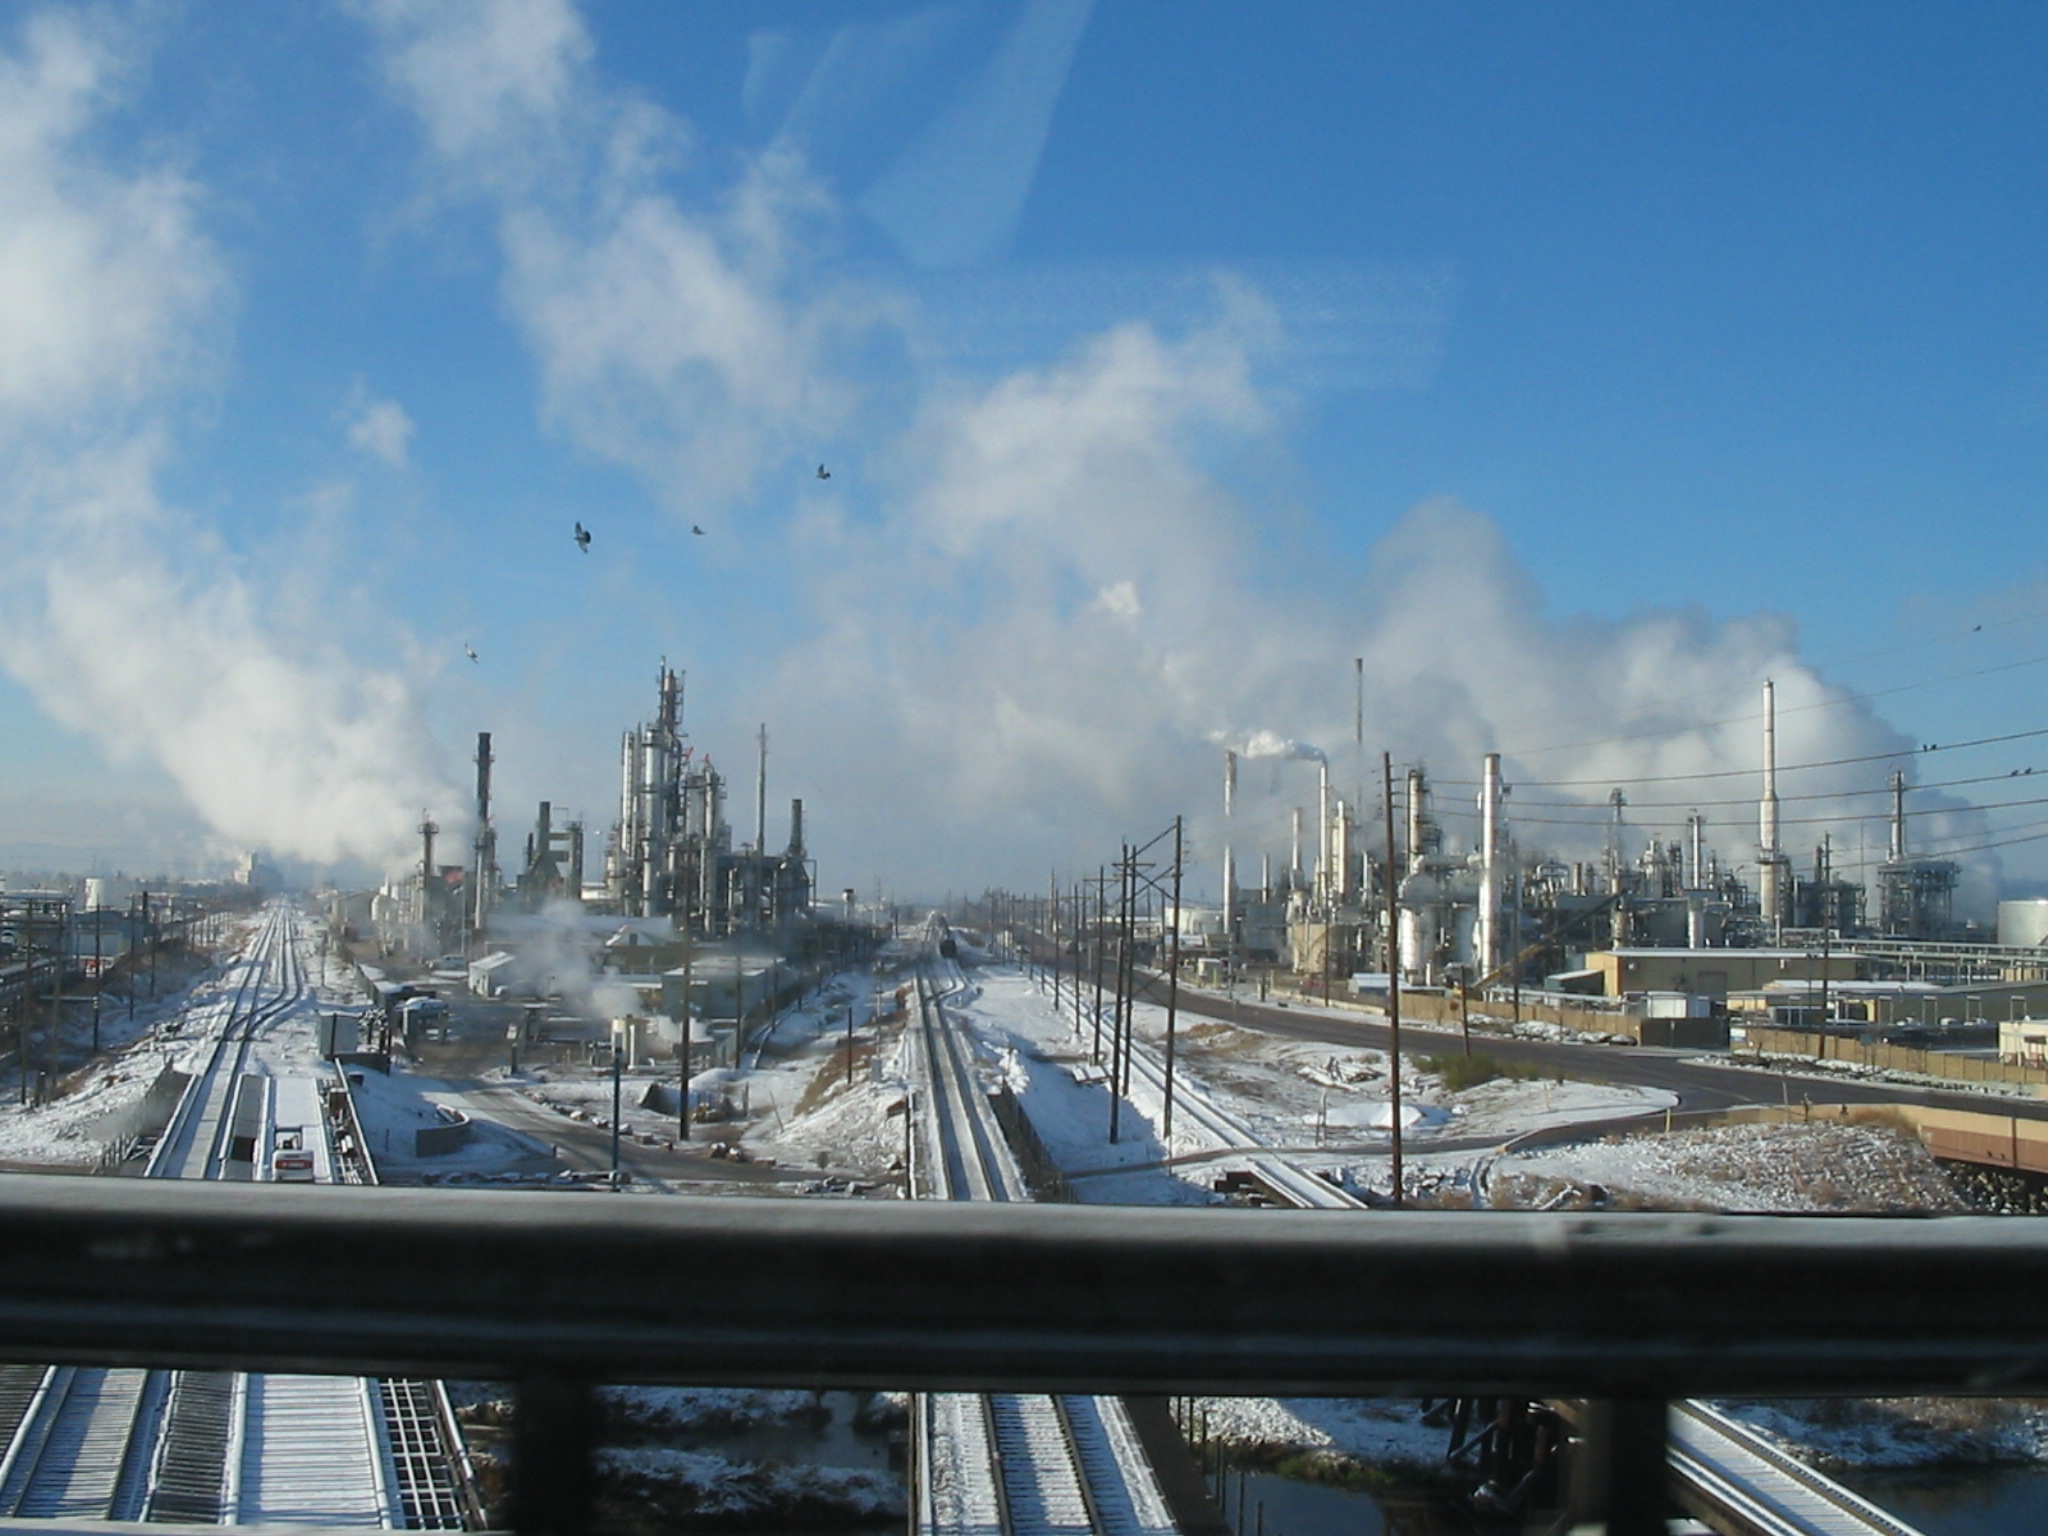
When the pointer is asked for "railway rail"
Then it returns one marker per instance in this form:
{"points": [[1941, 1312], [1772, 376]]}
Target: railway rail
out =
{"points": [[1719, 1470], [89, 1443], [1019, 1464], [1733, 1477]]}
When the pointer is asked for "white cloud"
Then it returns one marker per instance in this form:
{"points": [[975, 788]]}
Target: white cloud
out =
{"points": [[490, 81], [119, 613], [99, 273], [1120, 601], [1063, 590], [670, 340], [382, 429]]}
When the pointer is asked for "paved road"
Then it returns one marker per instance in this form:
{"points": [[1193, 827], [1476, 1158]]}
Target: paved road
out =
{"points": [[1697, 1084]]}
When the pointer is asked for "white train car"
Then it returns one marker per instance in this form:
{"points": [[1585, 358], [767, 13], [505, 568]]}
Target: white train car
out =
{"points": [[299, 1151]]}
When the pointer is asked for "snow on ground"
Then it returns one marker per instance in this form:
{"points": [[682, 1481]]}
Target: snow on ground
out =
{"points": [[1820, 1070], [1324, 1105], [1900, 1431], [1383, 1432], [392, 1108], [1821, 1166], [99, 1105], [1328, 1106], [722, 1458]]}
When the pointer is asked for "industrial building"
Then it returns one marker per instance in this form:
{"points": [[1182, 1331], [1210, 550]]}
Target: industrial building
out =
{"points": [[676, 882], [1677, 917]]}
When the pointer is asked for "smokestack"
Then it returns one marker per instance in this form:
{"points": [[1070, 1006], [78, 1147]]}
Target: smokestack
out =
{"points": [[1767, 809], [483, 778], [1898, 845], [1325, 876], [761, 796], [575, 861], [1294, 869], [1229, 854], [1488, 936], [625, 869], [1769, 880], [796, 829], [1416, 795], [1695, 851], [484, 876]]}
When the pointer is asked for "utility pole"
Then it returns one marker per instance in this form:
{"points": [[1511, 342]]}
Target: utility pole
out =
{"points": [[1127, 974], [1172, 983], [1080, 911], [1101, 900], [1393, 978], [683, 1097], [621, 1028], [1116, 1015], [1059, 954]]}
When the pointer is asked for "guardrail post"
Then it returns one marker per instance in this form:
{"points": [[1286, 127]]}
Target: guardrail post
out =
{"points": [[1618, 1476], [554, 1424]]}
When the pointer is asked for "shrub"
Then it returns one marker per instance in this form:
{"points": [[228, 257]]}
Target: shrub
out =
{"points": [[1462, 1072]]}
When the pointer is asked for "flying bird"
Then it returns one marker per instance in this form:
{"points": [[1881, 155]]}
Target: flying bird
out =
{"points": [[469, 650], [583, 538], [696, 530], [824, 473]]}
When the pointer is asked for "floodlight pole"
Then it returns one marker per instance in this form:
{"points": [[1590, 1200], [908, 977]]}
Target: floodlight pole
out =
{"points": [[1393, 976]]}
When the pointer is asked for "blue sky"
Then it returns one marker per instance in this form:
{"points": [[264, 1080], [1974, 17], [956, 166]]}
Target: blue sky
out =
{"points": [[1578, 365]]}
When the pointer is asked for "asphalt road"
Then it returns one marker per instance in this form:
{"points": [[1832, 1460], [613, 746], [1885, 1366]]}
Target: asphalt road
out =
{"points": [[1697, 1085]]}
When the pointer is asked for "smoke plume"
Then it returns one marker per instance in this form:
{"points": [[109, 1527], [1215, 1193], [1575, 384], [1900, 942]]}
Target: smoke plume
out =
{"points": [[122, 614], [1064, 585]]}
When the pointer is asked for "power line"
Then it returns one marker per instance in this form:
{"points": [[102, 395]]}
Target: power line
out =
{"points": [[1790, 709], [1750, 800], [1732, 773]]}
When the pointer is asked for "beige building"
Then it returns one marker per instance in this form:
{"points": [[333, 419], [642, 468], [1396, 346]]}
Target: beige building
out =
{"points": [[1714, 972]]}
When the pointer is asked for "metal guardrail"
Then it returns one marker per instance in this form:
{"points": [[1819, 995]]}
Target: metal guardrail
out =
{"points": [[556, 1291], [941, 1297]]}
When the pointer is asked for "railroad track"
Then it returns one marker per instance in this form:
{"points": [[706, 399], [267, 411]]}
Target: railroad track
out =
{"points": [[217, 1447], [1731, 1476], [1020, 1464]]}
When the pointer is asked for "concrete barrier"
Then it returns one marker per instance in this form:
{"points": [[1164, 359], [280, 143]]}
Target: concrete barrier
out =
{"points": [[451, 1135]]}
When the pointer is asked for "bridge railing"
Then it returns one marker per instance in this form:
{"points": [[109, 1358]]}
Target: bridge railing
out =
{"points": [[557, 1292]]}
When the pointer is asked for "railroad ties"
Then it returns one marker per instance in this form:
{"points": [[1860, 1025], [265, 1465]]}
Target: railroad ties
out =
{"points": [[220, 1447], [1010, 1464]]}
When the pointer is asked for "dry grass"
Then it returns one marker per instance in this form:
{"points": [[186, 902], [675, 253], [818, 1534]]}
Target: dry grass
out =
{"points": [[830, 1078]]}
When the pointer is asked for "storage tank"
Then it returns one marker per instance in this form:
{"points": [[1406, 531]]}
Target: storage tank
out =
{"points": [[2023, 924]]}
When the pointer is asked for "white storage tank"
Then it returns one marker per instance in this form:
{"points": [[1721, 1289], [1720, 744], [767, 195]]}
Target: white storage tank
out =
{"points": [[2023, 924]]}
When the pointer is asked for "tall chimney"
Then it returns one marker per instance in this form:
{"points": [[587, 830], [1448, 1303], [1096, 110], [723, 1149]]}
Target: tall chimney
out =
{"points": [[1326, 881], [1229, 854], [796, 829], [1767, 809], [1898, 845], [1770, 881], [1488, 937], [485, 876], [761, 796], [1417, 793]]}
